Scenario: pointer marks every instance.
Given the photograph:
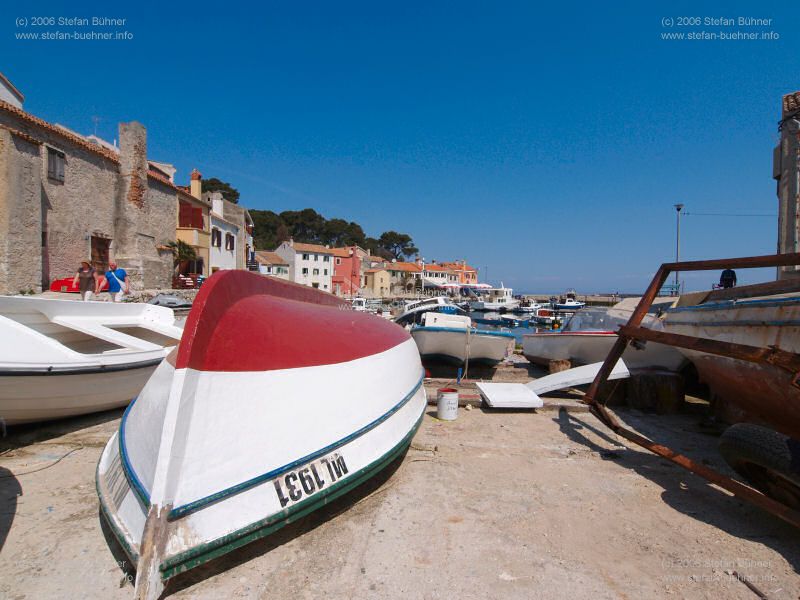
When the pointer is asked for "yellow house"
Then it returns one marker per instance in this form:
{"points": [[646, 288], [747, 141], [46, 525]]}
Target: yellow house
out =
{"points": [[194, 225], [377, 283]]}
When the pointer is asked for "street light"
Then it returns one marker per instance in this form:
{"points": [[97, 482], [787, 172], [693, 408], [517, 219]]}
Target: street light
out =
{"points": [[678, 208]]}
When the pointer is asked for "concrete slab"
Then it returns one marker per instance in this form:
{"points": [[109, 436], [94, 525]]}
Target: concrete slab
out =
{"points": [[493, 505]]}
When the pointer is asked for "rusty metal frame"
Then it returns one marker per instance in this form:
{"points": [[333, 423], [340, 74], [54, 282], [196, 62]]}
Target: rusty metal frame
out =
{"points": [[634, 331]]}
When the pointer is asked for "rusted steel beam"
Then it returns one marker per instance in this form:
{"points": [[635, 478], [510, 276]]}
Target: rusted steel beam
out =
{"points": [[748, 262], [737, 488], [636, 319], [632, 330], [772, 356]]}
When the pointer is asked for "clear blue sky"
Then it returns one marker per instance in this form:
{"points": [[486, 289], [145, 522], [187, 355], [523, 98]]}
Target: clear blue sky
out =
{"points": [[546, 142]]}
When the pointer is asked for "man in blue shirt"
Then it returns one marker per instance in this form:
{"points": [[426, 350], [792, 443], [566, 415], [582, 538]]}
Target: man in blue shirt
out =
{"points": [[117, 282]]}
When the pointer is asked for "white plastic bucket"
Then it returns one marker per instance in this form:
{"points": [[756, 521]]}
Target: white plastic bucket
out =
{"points": [[447, 404]]}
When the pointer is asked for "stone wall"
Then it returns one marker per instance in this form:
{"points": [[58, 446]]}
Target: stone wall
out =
{"points": [[146, 212], [20, 214], [103, 194]]}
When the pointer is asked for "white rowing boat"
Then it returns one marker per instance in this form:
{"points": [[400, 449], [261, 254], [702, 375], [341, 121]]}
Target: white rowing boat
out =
{"points": [[278, 399], [61, 358], [452, 339]]}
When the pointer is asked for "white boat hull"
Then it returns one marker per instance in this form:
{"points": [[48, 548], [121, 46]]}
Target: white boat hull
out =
{"points": [[451, 345], [61, 358], [591, 347], [42, 397], [221, 448]]}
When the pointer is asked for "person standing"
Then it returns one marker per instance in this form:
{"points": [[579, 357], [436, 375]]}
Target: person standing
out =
{"points": [[727, 278], [86, 280], [117, 280]]}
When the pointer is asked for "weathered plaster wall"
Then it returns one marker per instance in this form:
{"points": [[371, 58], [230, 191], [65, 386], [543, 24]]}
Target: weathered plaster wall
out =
{"points": [[20, 215], [78, 208], [156, 228]]}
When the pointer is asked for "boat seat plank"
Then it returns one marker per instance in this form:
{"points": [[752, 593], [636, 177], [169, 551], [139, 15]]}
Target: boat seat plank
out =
{"points": [[93, 328], [509, 395], [519, 395]]}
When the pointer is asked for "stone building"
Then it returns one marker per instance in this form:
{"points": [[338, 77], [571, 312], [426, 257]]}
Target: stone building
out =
{"points": [[786, 170], [65, 198]]}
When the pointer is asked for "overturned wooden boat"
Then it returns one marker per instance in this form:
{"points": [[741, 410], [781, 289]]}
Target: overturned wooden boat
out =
{"points": [[61, 358], [452, 339], [278, 399]]}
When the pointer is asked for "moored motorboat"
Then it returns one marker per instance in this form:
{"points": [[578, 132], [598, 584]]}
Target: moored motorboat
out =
{"points": [[277, 400], [452, 339], [61, 358], [415, 311], [568, 302], [588, 336], [495, 299]]}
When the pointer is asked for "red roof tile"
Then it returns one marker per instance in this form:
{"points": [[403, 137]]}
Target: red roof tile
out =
{"points": [[75, 139]]}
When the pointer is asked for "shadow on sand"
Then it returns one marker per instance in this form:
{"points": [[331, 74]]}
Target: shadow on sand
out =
{"points": [[684, 491], [19, 436], [258, 547], [10, 490]]}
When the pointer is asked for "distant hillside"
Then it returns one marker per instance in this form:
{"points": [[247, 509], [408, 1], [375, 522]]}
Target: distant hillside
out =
{"points": [[309, 226]]}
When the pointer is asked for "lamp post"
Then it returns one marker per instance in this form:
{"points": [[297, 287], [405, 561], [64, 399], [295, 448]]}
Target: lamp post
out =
{"points": [[678, 208]]}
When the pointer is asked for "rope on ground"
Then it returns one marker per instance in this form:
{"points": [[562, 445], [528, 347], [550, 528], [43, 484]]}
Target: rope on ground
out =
{"points": [[52, 464]]}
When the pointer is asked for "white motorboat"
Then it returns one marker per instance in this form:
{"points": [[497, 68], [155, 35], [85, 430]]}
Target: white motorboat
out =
{"points": [[588, 336], [451, 338], [569, 302], [415, 311], [527, 306], [61, 358], [276, 401], [359, 304], [496, 299]]}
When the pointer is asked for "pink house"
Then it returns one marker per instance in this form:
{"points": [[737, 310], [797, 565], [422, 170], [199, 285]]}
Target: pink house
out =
{"points": [[346, 279]]}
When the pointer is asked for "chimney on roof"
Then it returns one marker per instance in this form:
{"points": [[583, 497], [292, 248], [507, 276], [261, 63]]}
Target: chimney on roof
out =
{"points": [[196, 186]]}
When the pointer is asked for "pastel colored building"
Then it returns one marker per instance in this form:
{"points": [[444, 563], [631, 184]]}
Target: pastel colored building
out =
{"points": [[225, 227], [467, 275], [309, 264], [194, 225], [347, 270], [377, 283], [271, 263]]}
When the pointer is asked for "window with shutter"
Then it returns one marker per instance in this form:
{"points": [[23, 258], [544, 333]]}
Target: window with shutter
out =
{"points": [[55, 164], [184, 214], [197, 217]]}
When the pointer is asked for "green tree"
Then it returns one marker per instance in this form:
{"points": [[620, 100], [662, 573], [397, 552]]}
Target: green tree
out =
{"points": [[181, 252], [397, 244], [230, 193]]}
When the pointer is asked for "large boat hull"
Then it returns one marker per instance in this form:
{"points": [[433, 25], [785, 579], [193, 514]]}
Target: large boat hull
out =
{"points": [[245, 427], [442, 344], [746, 391], [593, 346]]}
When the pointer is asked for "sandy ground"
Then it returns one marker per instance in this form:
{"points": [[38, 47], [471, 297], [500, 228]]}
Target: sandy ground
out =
{"points": [[493, 505]]}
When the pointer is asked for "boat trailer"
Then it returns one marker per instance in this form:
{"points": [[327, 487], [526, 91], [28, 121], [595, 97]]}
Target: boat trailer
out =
{"points": [[771, 355]]}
